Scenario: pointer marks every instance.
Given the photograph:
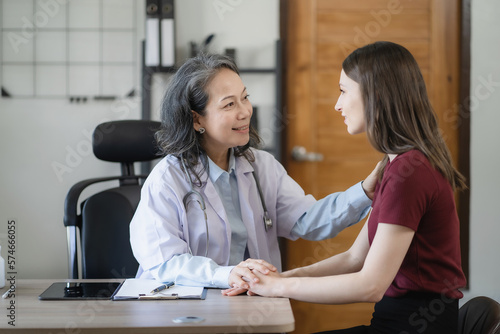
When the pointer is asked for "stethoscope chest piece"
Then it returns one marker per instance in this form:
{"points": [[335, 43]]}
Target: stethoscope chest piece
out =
{"points": [[268, 223]]}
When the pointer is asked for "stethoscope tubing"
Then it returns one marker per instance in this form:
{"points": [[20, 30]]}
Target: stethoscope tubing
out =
{"points": [[201, 201], [268, 223]]}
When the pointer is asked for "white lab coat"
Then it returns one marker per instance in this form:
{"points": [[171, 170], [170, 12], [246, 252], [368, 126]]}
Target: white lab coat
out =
{"points": [[161, 229]]}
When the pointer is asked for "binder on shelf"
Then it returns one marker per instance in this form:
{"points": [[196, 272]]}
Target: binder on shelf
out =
{"points": [[160, 34], [167, 33]]}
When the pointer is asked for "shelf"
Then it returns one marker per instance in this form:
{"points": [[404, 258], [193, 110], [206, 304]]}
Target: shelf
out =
{"points": [[257, 70]]}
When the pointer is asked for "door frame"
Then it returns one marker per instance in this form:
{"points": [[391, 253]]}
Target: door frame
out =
{"points": [[464, 135]]}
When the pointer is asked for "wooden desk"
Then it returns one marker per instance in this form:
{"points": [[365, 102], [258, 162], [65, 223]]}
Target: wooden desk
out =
{"points": [[240, 314]]}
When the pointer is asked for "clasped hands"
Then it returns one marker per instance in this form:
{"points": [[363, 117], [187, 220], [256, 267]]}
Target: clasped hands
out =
{"points": [[246, 276]]}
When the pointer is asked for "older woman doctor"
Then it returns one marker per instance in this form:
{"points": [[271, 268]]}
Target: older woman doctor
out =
{"points": [[212, 209]]}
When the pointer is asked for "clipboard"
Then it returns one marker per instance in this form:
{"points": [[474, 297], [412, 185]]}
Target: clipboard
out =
{"points": [[140, 289]]}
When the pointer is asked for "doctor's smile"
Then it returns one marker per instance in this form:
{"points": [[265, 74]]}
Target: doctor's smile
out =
{"points": [[243, 129]]}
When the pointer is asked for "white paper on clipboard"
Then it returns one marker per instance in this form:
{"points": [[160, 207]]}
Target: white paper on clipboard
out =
{"points": [[140, 288]]}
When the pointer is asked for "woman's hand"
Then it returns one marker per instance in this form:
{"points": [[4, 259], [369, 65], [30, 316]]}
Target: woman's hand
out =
{"points": [[244, 273], [271, 285]]}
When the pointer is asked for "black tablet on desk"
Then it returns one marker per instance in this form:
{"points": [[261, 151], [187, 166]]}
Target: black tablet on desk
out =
{"points": [[79, 290]]}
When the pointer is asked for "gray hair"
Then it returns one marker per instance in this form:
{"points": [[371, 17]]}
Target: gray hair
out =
{"points": [[185, 93]]}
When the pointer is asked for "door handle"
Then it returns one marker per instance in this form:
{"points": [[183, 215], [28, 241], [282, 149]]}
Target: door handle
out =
{"points": [[299, 153]]}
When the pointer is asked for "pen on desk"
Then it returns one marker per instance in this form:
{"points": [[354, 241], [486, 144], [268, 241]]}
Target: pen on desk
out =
{"points": [[162, 287]]}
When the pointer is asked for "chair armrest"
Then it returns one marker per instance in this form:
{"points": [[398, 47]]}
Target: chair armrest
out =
{"points": [[71, 203]]}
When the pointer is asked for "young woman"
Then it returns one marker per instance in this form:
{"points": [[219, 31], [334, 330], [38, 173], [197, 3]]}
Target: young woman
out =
{"points": [[407, 256], [212, 209]]}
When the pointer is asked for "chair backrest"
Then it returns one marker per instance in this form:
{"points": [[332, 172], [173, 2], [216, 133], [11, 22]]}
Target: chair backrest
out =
{"points": [[480, 315], [105, 217], [105, 238]]}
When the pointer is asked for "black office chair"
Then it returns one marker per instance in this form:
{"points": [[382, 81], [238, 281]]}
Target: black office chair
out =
{"points": [[104, 218], [480, 315]]}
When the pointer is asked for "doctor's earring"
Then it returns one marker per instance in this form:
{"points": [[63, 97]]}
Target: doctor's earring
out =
{"points": [[201, 131]]}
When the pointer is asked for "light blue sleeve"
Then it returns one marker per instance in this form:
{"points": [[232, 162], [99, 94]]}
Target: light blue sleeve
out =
{"points": [[330, 215], [186, 269]]}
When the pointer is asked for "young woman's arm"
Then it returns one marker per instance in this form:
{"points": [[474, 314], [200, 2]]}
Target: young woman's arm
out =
{"points": [[350, 261], [347, 262], [369, 284]]}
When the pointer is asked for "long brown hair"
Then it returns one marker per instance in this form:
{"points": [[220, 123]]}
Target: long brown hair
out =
{"points": [[399, 115]]}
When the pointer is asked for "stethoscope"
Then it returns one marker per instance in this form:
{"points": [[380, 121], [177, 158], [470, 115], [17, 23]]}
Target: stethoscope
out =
{"points": [[268, 223]]}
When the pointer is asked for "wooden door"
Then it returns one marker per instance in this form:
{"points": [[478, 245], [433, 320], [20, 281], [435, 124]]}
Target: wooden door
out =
{"points": [[319, 35]]}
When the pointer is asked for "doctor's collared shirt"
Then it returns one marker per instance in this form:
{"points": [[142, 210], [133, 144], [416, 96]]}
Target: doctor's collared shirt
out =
{"points": [[227, 187]]}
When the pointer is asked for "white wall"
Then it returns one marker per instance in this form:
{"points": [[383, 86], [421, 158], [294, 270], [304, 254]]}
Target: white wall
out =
{"points": [[485, 151], [35, 133]]}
